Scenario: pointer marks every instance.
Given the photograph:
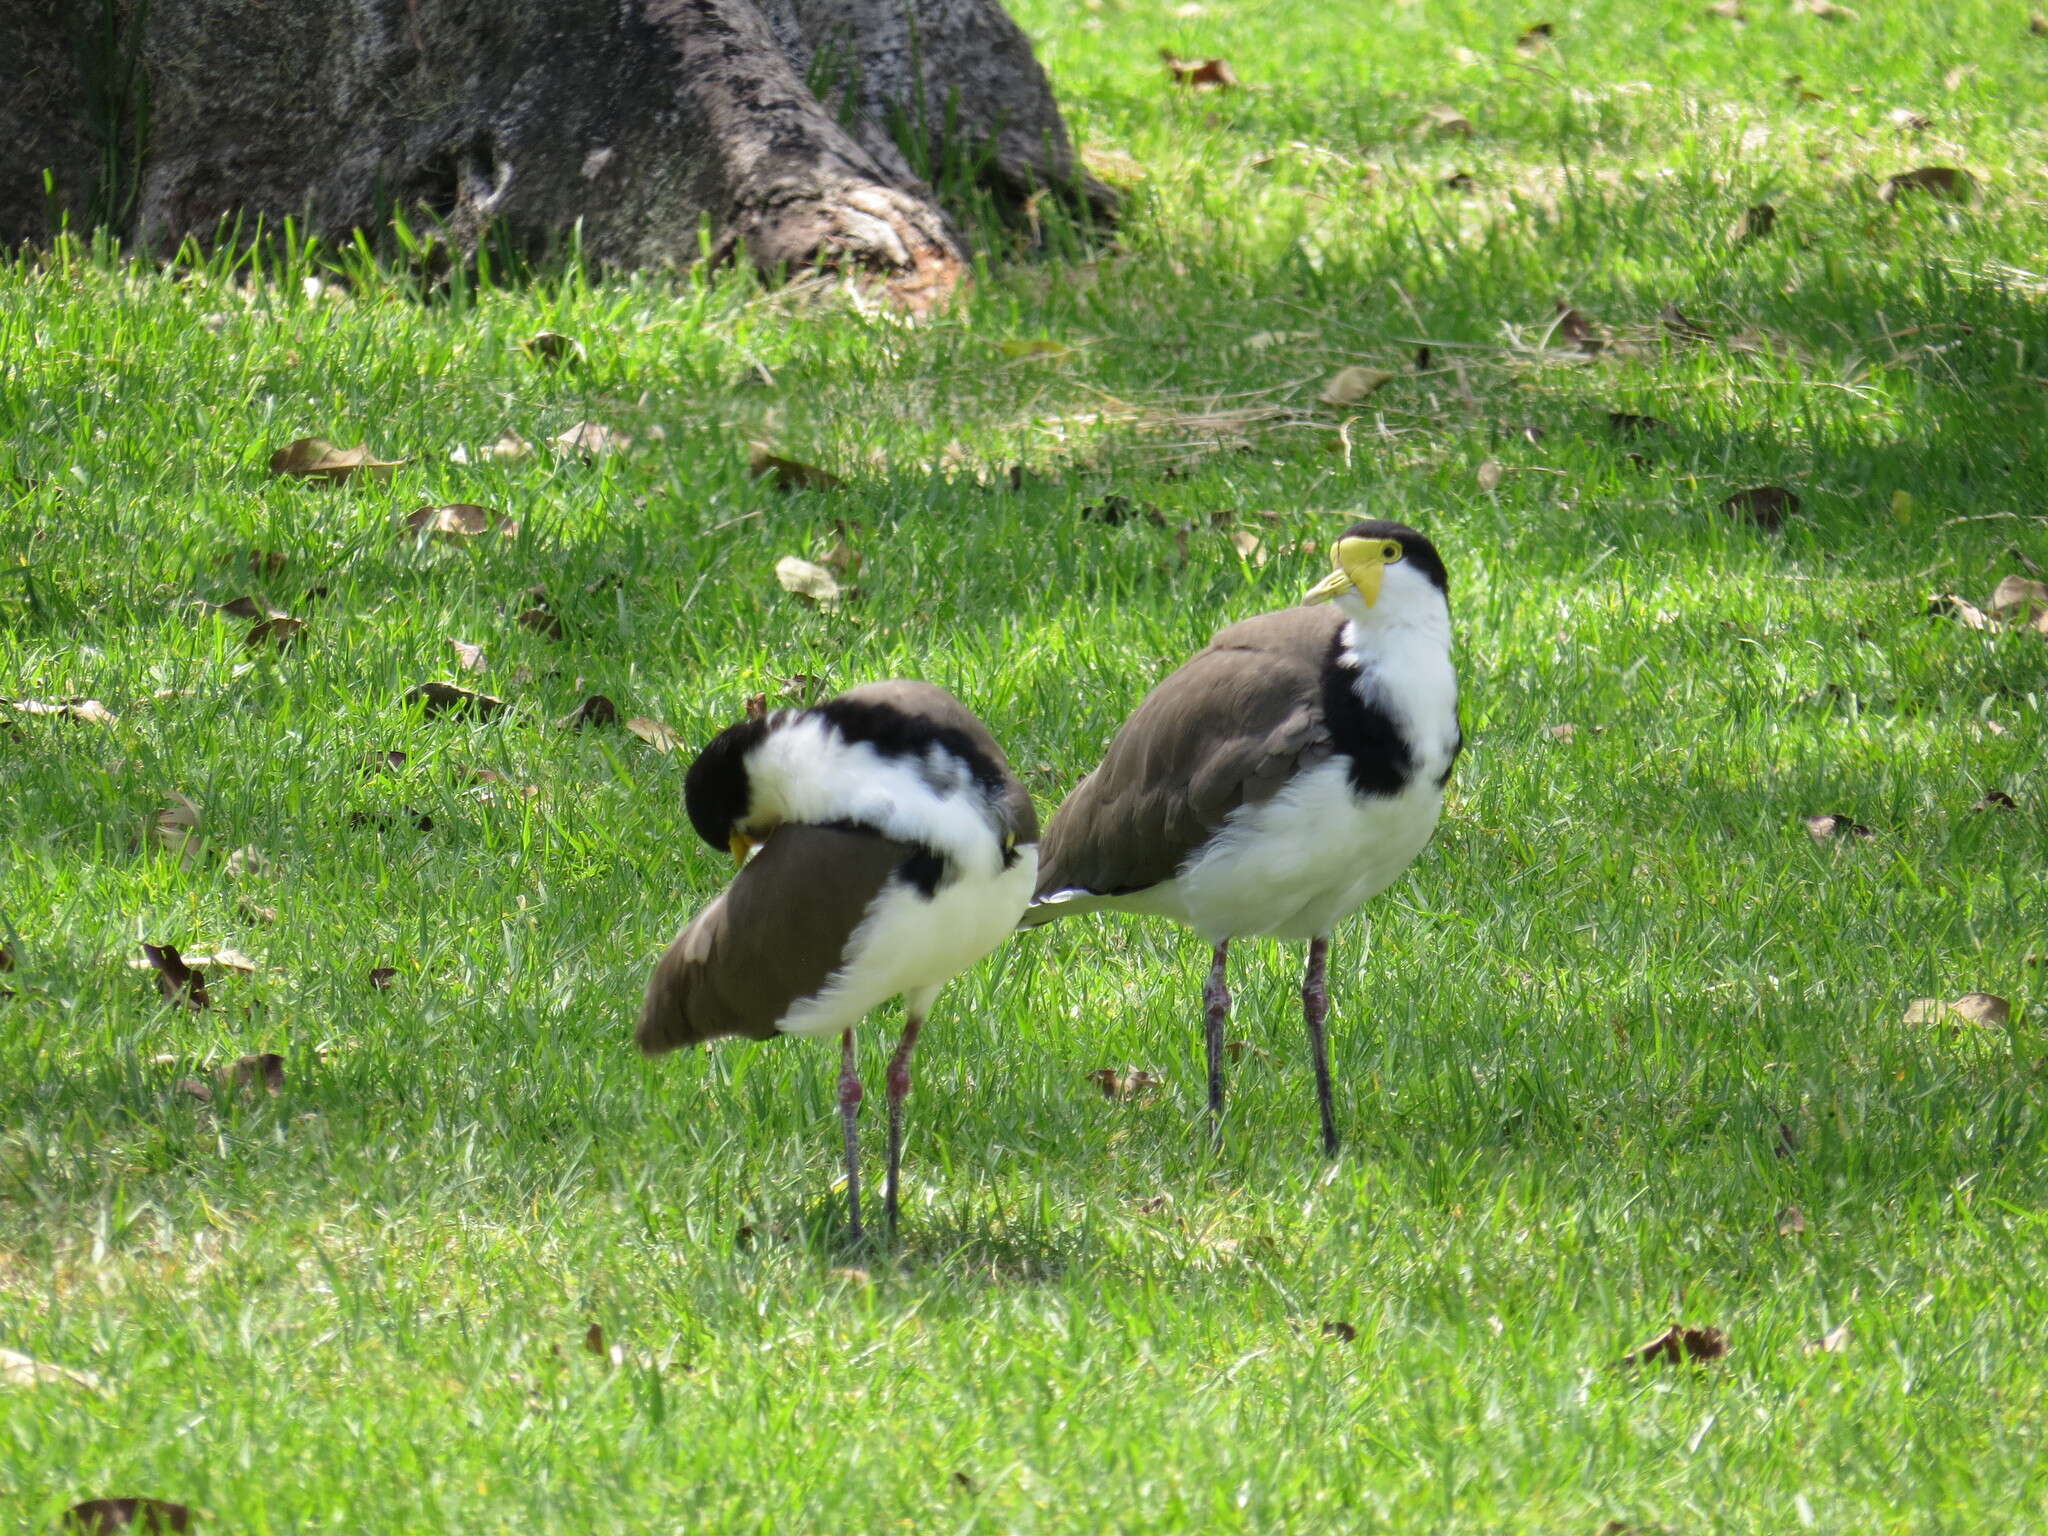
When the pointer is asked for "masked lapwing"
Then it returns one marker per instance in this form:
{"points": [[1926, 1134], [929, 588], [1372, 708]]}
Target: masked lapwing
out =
{"points": [[1285, 774], [883, 845]]}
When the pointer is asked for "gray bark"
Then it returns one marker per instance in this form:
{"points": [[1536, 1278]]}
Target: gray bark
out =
{"points": [[648, 122]]}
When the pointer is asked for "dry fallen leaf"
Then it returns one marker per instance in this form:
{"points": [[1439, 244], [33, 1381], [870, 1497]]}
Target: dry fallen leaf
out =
{"points": [[468, 658], [1340, 1330], [18, 1370], [178, 982], [1827, 10], [1128, 1083], [447, 699], [654, 733], [2022, 600], [459, 520], [2037, 24], [1728, 10], [175, 829], [812, 583], [788, 474], [1678, 1343], [1678, 323], [1458, 181], [1199, 74], [1628, 424], [1982, 1009], [1833, 1342], [244, 607], [508, 449], [314, 458], [595, 710], [842, 559], [104, 1517], [1250, 548], [1791, 1221], [1907, 120], [1115, 509], [1947, 605], [1350, 385], [1822, 828], [267, 1068], [554, 347], [92, 711], [1576, 329], [1757, 221], [1565, 732], [544, 622], [1490, 475], [590, 440], [1942, 181], [382, 976], [1996, 800], [1767, 506]]}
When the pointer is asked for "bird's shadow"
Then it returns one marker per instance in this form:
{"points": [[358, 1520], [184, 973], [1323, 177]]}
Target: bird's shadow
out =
{"points": [[980, 1249]]}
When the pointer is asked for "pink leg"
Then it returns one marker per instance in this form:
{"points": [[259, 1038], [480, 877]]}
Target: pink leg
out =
{"points": [[1216, 1012], [1315, 1007], [849, 1116], [899, 1090]]}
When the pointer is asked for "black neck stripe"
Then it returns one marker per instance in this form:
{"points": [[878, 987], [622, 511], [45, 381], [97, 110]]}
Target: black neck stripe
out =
{"points": [[1363, 732]]}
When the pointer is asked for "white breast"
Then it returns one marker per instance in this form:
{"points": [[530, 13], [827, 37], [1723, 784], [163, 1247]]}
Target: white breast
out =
{"points": [[911, 946]]}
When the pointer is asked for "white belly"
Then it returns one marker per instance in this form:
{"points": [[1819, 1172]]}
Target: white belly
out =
{"points": [[910, 946], [1298, 864]]}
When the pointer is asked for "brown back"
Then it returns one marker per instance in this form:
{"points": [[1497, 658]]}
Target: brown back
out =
{"points": [[1229, 727], [771, 939]]}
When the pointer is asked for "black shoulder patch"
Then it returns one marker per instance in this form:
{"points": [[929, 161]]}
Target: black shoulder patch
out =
{"points": [[1361, 732], [715, 791], [925, 870], [892, 733]]}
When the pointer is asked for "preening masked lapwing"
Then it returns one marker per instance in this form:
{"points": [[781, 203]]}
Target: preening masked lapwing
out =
{"points": [[884, 846], [1283, 775]]}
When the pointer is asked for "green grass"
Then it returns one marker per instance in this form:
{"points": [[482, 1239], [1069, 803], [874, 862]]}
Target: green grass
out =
{"points": [[1564, 1059]]}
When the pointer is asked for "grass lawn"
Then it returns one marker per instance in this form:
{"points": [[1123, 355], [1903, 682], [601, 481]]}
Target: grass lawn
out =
{"points": [[1627, 1049]]}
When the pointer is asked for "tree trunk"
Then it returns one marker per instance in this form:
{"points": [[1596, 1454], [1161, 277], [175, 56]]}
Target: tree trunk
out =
{"points": [[665, 129]]}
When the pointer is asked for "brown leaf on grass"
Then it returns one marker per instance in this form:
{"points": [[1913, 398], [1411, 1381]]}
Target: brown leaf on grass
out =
{"points": [[788, 474], [842, 559], [2022, 600], [222, 959], [543, 622], [91, 711], [1996, 800], [1767, 506], [179, 983], [1833, 1342], [382, 762], [459, 520], [435, 699], [1827, 10], [193, 1088], [1907, 120], [554, 347], [1786, 1142], [19, 1370], [595, 710], [510, 448], [1441, 122], [1199, 74], [2037, 24], [1728, 10], [266, 1068], [1945, 182], [1350, 385], [382, 976], [1251, 549], [654, 733], [1489, 475], [103, 1517], [254, 911], [1338, 1329], [1757, 221], [1458, 181], [314, 458], [1577, 329], [1628, 424], [1534, 39], [1825, 828], [175, 829], [1116, 509], [468, 658], [590, 440], [813, 583], [1791, 1221], [6, 958], [244, 607], [1946, 605], [1678, 1343], [261, 562], [965, 1482], [1125, 1082], [278, 631]]}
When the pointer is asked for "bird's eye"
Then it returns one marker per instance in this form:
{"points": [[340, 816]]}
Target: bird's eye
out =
{"points": [[1390, 551]]}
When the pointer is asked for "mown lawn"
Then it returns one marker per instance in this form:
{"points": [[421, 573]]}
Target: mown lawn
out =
{"points": [[1628, 1049]]}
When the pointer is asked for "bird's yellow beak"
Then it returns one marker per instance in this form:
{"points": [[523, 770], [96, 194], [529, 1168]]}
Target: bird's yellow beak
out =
{"points": [[1360, 564], [741, 845]]}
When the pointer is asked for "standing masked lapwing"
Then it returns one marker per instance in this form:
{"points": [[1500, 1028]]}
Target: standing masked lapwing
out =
{"points": [[883, 845], [1287, 772]]}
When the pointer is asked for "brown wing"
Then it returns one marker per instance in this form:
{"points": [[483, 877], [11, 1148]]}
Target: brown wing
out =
{"points": [[773, 938], [1229, 727], [933, 703]]}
